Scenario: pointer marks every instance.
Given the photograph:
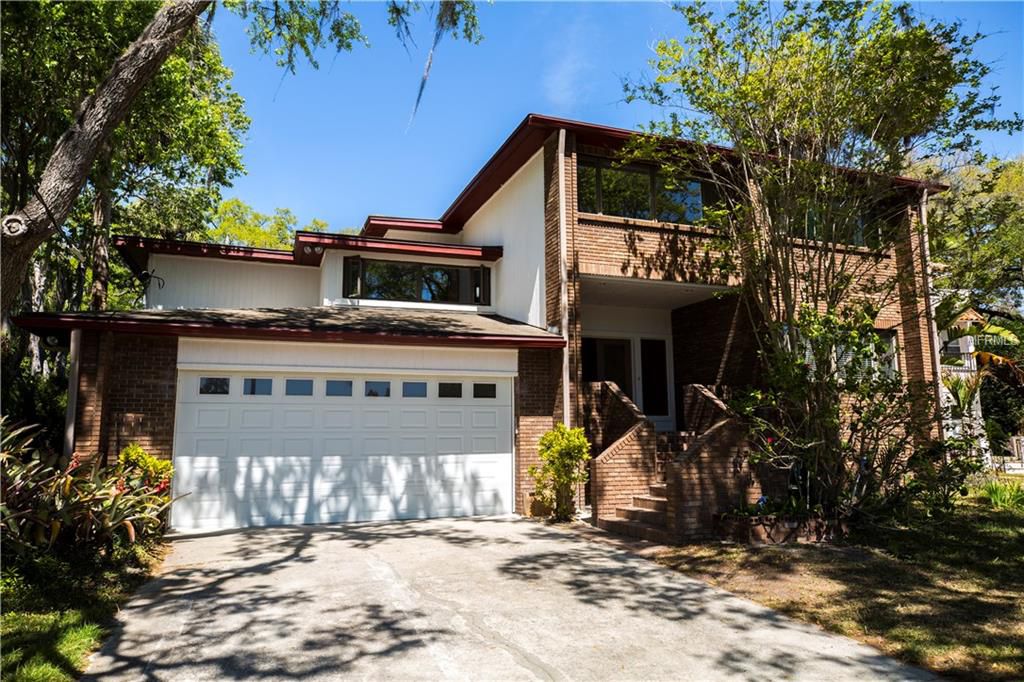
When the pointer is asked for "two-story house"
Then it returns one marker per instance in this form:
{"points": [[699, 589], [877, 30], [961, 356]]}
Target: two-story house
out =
{"points": [[409, 371]]}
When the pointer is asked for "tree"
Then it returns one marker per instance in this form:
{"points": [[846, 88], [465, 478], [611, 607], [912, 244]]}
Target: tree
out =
{"points": [[239, 224], [977, 237], [802, 114], [289, 29]]}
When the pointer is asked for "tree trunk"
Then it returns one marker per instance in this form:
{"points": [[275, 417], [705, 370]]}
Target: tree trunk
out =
{"points": [[101, 209], [37, 365], [98, 116]]}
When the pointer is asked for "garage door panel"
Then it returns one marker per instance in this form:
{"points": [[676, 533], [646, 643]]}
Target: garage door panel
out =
{"points": [[266, 460]]}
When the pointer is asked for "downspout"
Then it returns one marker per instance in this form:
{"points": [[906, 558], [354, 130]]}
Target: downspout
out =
{"points": [[72, 408], [933, 329], [563, 281]]}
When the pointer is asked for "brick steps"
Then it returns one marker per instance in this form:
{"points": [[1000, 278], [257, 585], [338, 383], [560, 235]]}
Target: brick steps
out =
{"points": [[648, 516], [634, 529], [659, 504], [644, 519]]}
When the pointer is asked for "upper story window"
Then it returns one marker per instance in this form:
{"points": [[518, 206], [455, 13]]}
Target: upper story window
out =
{"points": [[635, 192], [423, 282]]}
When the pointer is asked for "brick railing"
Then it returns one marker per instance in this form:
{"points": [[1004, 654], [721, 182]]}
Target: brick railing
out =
{"points": [[713, 475], [625, 444]]}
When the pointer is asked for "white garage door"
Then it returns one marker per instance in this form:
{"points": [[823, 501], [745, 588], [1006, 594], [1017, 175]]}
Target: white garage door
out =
{"points": [[253, 448]]}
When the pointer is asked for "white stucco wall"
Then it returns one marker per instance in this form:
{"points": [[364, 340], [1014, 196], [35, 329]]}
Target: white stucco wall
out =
{"points": [[219, 283], [513, 218]]}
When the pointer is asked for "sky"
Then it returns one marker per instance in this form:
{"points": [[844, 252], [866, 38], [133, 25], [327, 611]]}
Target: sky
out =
{"points": [[337, 143]]}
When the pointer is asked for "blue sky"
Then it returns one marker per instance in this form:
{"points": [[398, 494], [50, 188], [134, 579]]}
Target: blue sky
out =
{"points": [[336, 144]]}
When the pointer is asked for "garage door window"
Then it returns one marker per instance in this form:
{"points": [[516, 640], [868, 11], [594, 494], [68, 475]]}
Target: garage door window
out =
{"points": [[298, 387], [257, 386], [414, 389], [447, 389], [485, 391], [377, 389], [214, 385], [339, 388]]}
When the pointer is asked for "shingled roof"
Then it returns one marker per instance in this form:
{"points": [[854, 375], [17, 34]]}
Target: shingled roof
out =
{"points": [[355, 324]]}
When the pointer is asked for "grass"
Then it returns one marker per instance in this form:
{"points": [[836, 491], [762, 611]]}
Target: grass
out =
{"points": [[56, 613], [949, 598]]}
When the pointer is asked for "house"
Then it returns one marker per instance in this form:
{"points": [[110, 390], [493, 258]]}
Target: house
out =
{"points": [[410, 370]]}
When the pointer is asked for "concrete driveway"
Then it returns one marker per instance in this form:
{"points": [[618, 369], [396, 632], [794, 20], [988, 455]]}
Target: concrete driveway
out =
{"points": [[495, 599]]}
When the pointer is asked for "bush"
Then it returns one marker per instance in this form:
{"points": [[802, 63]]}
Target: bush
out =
{"points": [[564, 453], [1002, 494], [75, 509], [154, 472]]}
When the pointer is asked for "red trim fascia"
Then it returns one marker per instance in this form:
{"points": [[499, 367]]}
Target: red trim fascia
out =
{"points": [[529, 136], [35, 322], [390, 246], [131, 246], [378, 226]]}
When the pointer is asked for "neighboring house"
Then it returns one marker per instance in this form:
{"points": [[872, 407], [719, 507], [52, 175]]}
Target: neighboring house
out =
{"points": [[958, 359], [410, 371]]}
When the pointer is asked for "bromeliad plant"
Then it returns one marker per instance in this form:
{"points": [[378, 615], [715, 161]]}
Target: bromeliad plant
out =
{"points": [[50, 508]]}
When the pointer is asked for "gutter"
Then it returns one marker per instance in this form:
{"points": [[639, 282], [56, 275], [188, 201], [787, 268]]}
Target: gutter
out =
{"points": [[563, 278], [933, 329]]}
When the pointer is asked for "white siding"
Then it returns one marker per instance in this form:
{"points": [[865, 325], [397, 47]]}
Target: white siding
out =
{"points": [[514, 219], [276, 355], [609, 319], [219, 283]]}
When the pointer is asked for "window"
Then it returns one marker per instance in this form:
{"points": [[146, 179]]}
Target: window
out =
{"points": [[257, 386], [214, 385], [883, 360], [298, 387], [853, 225], [447, 389], [414, 389], [377, 389], [635, 192], [402, 281], [338, 388], [485, 391]]}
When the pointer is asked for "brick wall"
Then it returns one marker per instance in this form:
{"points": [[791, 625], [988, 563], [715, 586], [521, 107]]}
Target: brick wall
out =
{"points": [[624, 449], [713, 344], [126, 393], [537, 385]]}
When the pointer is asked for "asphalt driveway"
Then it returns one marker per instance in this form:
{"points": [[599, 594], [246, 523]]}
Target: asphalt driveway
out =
{"points": [[495, 599]]}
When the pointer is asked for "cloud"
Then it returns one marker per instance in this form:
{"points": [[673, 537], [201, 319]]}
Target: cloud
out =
{"points": [[566, 79]]}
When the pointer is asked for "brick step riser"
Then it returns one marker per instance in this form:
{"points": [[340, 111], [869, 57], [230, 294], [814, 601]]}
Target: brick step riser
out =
{"points": [[654, 503], [634, 530], [659, 490], [648, 516]]}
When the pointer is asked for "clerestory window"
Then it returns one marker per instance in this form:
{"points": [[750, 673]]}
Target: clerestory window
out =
{"points": [[423, 282]]}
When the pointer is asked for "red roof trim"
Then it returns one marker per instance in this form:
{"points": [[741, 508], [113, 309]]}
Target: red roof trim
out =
{"points": [[529, 137], [45, 321], [135, 251], [378, 226], [389, 246]]}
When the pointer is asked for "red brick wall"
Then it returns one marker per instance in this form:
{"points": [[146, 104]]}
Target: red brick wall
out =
{"points": [[624, 448], [126, 393], [713, 344], [536, 391]]}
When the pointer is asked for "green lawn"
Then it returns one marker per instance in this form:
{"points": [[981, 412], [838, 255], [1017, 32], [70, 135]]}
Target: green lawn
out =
{"points": [[949, 598], [57, 615]]}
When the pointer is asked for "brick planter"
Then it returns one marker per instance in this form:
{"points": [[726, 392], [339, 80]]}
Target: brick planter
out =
{"points": [[776, 530]]}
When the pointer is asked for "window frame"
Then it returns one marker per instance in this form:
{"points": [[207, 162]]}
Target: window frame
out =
{"points": [[440, 395], [599, 163], [353, 280], [366, 387], [491, 385], [416, 382], [254, 380], [199, 385], [312, 387], [351, 388]]}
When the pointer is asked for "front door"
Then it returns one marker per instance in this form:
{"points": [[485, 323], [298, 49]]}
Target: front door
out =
{"points": [[639, 366]]}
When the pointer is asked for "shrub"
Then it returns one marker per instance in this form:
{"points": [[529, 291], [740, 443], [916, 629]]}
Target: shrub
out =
{"points": [[1004, 494], [154, 472], [47, 508], [564, 453]]}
